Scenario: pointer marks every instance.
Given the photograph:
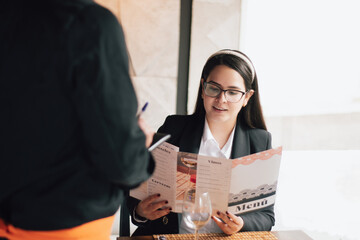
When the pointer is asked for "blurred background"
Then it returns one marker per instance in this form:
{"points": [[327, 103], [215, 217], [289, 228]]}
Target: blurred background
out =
{"points": [[306, 54]]}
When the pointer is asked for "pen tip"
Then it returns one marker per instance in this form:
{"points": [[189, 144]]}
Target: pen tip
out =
{"points": [[144, 107]]}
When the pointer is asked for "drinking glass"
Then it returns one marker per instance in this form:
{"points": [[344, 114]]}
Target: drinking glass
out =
{"points": [[197, 210]]}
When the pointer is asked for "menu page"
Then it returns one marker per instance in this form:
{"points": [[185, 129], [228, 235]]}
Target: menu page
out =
{"points": [[163, 180], [254, 181], [185, 176], [214, 176], [140, 192]]}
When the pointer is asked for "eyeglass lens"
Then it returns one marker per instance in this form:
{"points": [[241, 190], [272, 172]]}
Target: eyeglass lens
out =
{"points": [[212, 90]]}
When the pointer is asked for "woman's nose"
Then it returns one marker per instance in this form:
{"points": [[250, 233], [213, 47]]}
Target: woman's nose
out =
{"points": [[222, 97]]}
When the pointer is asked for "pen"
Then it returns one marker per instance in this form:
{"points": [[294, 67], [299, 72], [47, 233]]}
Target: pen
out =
{"points": [[143, 109]]}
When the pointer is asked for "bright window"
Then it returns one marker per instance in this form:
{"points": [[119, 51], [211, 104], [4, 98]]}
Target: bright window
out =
{"points": [[307, 56]]}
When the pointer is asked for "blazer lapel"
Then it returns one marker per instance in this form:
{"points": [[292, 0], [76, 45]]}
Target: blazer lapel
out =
{"points": [[241, 143], [191, 139]]}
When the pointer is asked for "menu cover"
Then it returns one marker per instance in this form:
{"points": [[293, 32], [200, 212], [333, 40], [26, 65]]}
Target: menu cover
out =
{"points": [[236, 185]]}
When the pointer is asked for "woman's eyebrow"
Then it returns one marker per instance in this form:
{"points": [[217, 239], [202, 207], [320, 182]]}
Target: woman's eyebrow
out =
{"points": [[222, 86]]}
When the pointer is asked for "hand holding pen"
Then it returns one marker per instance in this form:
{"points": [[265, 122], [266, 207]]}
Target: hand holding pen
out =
{"points": [[143, 109], [148, 131]]}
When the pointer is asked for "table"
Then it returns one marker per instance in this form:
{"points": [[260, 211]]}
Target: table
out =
{"points": [[280, 235]]}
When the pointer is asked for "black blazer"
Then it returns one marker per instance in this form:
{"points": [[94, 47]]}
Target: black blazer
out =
{"points": [[186, 132], [69, 139]]}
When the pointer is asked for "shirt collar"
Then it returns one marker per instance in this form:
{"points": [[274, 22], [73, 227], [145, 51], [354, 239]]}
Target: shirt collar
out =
{"points": [[207, 136], [228, 145]]}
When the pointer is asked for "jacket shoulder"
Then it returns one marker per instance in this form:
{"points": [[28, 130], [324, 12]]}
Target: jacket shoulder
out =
{"points": [[174, 123], [177, 126], [260, 138]]}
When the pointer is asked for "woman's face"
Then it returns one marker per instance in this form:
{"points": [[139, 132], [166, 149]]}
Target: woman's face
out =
{"points": [[218, 109]]}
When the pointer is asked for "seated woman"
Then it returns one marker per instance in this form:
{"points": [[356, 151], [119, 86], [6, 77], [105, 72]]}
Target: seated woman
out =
{"points": [[227, 123]]}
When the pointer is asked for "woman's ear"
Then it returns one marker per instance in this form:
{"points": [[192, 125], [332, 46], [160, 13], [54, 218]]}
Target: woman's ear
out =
{"points": [[247, 97]]}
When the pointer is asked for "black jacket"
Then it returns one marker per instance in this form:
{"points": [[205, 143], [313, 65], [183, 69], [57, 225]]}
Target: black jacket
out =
{"points": [[186, 132], [69, 139]]}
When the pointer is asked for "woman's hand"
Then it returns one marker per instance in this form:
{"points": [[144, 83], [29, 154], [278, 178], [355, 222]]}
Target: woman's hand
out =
{"points": [[150, 209], [148, 131], [231, 224]]}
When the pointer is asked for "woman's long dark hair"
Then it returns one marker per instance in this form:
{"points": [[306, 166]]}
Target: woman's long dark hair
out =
{"points": [[251, 115]]}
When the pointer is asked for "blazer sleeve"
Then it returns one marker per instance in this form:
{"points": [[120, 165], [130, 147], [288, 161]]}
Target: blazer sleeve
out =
{"points": [[105, 100], [264, 219], [131, 204]]}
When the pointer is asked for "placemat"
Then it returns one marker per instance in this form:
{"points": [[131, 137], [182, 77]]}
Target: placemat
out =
{"points": [[222, 236]]}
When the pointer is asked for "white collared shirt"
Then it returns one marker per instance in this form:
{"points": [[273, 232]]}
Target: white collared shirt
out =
{"points": [[210, 147]]}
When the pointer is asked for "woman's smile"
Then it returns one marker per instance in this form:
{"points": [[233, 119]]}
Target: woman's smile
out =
{"points": [[219, 109]]}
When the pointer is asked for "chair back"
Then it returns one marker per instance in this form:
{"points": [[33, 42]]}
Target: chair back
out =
{"points": [[124, 218]]}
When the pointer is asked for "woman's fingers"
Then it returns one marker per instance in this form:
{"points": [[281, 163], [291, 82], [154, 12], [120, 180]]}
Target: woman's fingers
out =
{"points": [[235, 219], [155, 206], [223, 226], [150, 209], [150, 199], [226, 219], [230, 223], [159, 213], [218, 222]]}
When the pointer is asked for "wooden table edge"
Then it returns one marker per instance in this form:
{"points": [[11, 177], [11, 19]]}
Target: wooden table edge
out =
{"points": [[281, 235]]}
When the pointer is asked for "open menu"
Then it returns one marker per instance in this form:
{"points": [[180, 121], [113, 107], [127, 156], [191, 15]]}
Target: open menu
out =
{"points": [[236, 185]]}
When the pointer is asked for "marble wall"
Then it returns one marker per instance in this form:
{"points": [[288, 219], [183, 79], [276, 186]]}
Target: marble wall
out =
{"points": [[152, 35], [112, 5], [215, 26]]}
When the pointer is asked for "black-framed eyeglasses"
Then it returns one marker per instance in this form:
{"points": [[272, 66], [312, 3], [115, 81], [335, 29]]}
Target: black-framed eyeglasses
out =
{"points": [[231, 95]]}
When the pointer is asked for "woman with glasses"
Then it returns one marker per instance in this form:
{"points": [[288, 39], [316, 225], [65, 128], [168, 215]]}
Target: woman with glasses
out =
{"points": [[227, 123]]}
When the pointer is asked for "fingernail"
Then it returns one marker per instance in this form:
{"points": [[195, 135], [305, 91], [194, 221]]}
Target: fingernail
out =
{"points": [[218, 213], [158, 194], [166, 202], [227, 213]]}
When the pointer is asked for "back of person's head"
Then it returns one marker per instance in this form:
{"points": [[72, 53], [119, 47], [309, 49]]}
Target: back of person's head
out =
{"points": [[250, 116]]}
